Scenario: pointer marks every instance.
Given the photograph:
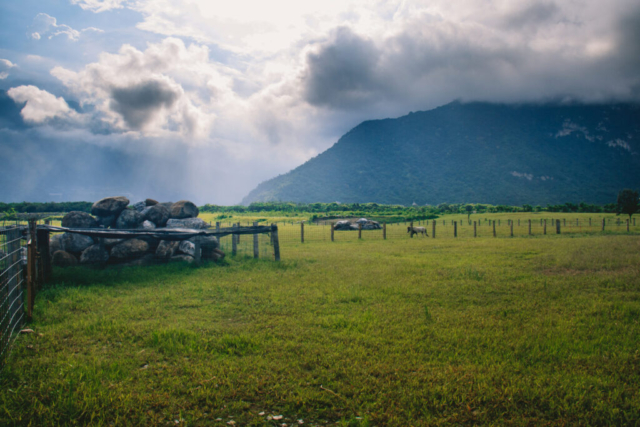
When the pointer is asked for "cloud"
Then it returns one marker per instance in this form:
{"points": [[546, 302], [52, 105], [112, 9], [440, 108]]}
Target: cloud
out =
{"points": [[5, 66], [40, 105], [167, 88], [100, 5], [46, 25]]}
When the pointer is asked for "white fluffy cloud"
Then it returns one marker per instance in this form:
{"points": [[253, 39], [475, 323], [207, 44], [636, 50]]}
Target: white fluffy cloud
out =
{"points": [[100, 5], [47, 26], [5, 66], [41, 106], [168, 88]]}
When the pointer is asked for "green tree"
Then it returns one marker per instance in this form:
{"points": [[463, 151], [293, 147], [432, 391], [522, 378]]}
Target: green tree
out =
{"points": [[627, 202], [469, 209]]}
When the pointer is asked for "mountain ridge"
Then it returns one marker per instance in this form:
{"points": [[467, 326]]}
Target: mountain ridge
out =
{"points": [[474, 153]]}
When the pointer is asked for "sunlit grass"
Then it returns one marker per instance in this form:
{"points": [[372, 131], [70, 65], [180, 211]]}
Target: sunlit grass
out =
{"points": [[402, 332]]}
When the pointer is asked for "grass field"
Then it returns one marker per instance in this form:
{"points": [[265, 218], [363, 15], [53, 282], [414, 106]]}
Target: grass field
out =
{"points": [[523, 331]]}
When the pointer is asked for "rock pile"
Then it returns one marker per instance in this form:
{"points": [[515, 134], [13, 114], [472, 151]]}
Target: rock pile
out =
{"points": [[70, 249], [366, 225]]}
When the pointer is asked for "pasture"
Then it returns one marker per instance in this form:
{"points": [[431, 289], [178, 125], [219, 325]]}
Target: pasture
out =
{"points": [[519, 331]]}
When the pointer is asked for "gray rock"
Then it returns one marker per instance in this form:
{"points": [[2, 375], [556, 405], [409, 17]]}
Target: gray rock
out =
{"points": [[55, 243], [206, 241], [150, 202], [63, 259], [129, 249], [192, 223], [77, 219], [106, 221], [184, 209], [182, 258], [157, 214], [94, 254], [109, 206], [129, 219], [166, 249], [187, 247], [148, 225], [166, 205], [139, 206], [109, 243], [75, 243], [212, 254]]}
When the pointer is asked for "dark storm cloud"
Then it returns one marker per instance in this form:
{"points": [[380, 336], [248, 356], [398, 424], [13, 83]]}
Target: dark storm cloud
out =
{"points": [[138, 104], [535, 14], [432, 62], [342, 73]]}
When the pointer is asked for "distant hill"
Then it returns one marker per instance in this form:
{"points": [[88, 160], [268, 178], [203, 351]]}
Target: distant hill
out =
{"points": [[474, 153]]}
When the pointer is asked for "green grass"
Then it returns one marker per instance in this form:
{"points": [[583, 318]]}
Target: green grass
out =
{"points": [[522, 331]]}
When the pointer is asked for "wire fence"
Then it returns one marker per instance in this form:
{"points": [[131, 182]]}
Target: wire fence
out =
{"points": [[292, 232], [12, 280]]}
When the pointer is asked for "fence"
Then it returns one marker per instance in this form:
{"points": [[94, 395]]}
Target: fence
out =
{"points": [[303, 232], [12, 280]]}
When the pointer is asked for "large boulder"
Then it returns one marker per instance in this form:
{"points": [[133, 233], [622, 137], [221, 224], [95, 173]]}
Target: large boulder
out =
{"points": [[184, 209], [129, 219], [206, 241], [147, 225], [129, 249], [213, 254], [192, 223], [106, 221], [139, 206], [109, 243], [73, 242], [63, 259], [182, 258], [150, 202], [166, 249], [77, 219], [93, 255], [109, 206], [157, 214], [166, 204], [187, 247]]}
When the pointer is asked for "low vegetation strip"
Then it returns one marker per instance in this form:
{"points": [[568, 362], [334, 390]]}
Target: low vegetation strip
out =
{"points": [[507, 331]]}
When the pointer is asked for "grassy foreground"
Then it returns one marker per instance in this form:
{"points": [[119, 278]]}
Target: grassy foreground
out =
{"points": [[522, 331]]}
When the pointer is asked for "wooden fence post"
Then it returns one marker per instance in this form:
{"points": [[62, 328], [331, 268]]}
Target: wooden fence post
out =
{"points": [[455, 228], [359, 230], [603, 222], [529, 227], [511, 227], [564, 222], [276, 242], [558, 226], [332, 230], [433, 229], [384, 231], [45, 258], [627, 226], [302, 231], [256, 249], [494, 228], [234, 242], [545, 227], [475, 230]]}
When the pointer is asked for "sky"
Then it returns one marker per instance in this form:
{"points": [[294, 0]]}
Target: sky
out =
{"points": [[203, 100]]}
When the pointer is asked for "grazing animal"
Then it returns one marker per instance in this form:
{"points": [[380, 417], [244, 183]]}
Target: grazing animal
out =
{"points": [[417, 230]]}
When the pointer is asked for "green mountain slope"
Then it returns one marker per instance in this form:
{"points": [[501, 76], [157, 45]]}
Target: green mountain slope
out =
{"points": [[474, 153]]}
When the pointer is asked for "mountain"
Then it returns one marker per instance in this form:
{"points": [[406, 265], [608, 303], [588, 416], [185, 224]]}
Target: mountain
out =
{"points": [[474, 153]]}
